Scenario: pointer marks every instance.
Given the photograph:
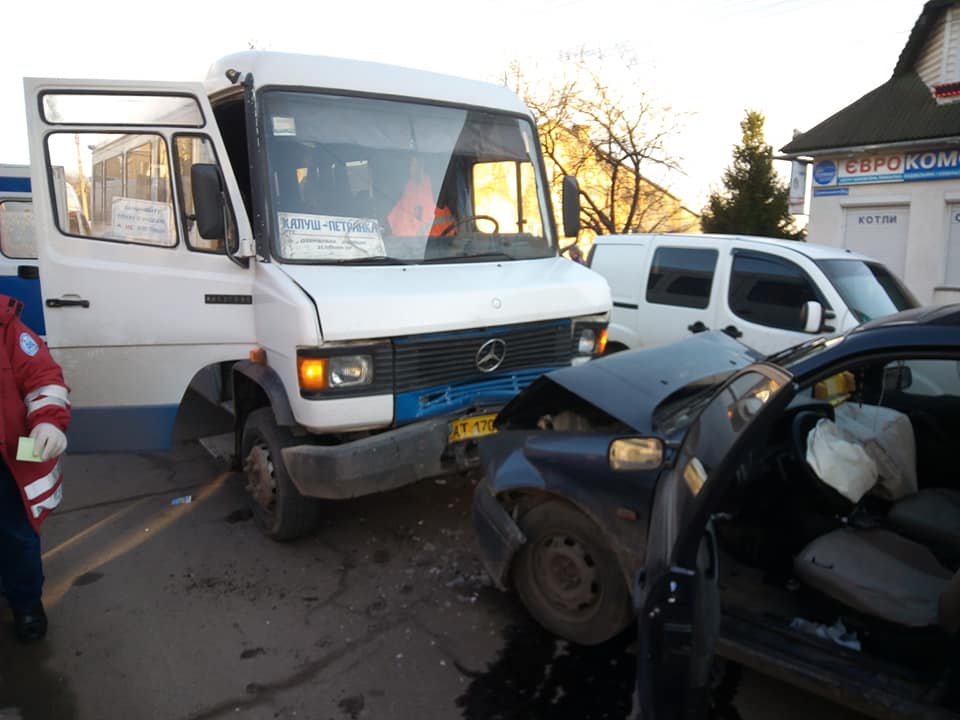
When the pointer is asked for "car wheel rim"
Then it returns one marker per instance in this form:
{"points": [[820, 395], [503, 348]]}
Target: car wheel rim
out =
{"points": [[566, 575], [261, 483]]}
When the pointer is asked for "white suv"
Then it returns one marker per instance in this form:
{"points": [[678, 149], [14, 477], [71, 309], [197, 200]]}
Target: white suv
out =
{"points": [[770, 294]]}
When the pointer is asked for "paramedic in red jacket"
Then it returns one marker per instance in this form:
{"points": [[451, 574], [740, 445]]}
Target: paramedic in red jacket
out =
{"points": [[34, 403]]}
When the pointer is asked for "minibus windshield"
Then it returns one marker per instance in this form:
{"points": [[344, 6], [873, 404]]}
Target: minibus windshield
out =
{"points": [[370, 181]]}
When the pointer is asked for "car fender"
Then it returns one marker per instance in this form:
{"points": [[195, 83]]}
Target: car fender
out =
{"points": [[526, 468]]}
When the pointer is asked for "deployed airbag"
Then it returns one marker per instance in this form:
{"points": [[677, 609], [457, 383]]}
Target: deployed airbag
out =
{"points": [[887, 437], [843, 465], [867, 449]]}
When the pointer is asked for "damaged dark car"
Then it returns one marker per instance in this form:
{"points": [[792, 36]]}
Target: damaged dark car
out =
{"points": [[798, 514]]}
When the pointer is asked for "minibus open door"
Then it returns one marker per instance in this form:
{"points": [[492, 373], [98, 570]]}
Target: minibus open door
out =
{"points": [[135, 302]]}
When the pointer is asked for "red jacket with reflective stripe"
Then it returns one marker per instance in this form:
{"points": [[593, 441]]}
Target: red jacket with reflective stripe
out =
{"points": [[32, 391]]}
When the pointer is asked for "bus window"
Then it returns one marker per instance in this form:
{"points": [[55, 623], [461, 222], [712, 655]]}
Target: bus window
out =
{"points": [[126, 179], [16, 230]]}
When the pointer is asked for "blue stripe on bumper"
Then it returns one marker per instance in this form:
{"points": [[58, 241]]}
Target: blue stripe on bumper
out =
{"points": [[450, 399]]}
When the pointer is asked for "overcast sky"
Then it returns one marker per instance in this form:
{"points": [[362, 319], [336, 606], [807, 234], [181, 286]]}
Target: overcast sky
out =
{"points": [[796, 61]]}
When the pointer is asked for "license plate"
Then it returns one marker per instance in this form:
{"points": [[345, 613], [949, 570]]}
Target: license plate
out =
{"points": [[471, 427]]}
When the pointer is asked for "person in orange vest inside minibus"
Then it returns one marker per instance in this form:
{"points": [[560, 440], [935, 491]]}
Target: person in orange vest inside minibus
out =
{"points": [[418, 211]]}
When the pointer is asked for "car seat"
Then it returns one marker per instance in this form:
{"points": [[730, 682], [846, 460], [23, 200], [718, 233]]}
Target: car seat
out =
{"points": [[931, 516], [883, 575]]}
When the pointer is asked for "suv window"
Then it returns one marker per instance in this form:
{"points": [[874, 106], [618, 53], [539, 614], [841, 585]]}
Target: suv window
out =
{"points": [[769, 290], [681, 276]]}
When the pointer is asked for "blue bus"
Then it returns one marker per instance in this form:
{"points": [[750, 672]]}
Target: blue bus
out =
{"points": [[19, 274]]}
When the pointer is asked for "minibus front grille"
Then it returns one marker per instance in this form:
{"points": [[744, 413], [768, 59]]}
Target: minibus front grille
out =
{"points": [[426, 361]]}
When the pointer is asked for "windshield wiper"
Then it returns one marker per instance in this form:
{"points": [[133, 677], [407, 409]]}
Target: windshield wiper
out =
{"points": [[374, 260], [470, 258]]}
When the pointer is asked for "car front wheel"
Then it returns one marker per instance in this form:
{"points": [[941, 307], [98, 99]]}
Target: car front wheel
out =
{"points": [[568, 578]]}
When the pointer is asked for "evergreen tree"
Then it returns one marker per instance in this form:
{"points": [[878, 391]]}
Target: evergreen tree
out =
{"points": [[755, 201]]}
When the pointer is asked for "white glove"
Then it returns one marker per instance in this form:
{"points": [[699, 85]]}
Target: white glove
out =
{"points": [[48, 441]]}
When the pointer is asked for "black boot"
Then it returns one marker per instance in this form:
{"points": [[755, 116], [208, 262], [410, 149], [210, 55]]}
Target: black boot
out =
{"points": [[30, 625]]}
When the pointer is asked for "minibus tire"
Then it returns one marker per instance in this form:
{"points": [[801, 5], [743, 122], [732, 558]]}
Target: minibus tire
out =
{"points": [[280, 511]]}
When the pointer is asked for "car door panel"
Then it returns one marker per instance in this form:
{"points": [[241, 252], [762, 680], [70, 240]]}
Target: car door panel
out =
{"points": [[764, 301], [678, 600], [680, 294]]}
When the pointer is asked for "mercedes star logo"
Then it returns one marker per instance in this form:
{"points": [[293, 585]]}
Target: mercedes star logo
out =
{"points": [[491, 355]]}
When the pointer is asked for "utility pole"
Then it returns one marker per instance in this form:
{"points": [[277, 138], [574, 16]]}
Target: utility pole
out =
{"points": [[84, 202]]}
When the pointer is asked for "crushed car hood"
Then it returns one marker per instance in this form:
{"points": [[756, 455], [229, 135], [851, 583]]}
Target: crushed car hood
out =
{"points": [[629, 385]]}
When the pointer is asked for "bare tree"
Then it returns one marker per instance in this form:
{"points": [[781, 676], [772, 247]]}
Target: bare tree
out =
{"points": [[614, 139]]}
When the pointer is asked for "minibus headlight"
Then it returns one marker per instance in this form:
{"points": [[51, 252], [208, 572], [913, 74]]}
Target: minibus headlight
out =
{"points": [[350, 370], [342, 368]]}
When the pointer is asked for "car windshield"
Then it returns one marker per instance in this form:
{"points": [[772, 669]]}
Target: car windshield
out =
{"points": [[680, 408], [798, 353], [362, 180], [869, 289]]}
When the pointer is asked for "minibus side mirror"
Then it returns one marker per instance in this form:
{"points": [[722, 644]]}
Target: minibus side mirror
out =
{"points": [[208, 201], [571, 206]]}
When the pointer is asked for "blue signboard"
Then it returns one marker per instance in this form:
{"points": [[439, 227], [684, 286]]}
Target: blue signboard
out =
{"points": [[824, 172], [826, 192]]}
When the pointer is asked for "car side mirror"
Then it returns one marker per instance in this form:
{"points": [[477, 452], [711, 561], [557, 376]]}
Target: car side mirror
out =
{"points": [[634, 453], [571, 206], [812, 316], [208, 201]]}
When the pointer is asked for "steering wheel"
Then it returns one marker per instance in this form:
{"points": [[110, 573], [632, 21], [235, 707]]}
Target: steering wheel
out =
{"points": [[450, 229]]}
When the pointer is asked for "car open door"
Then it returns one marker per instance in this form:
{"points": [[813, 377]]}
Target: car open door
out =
{"points": [[135, 300], [677, 598]]}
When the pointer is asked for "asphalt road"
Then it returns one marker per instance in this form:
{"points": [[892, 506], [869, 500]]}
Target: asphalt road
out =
{"points": [[185, 611]]}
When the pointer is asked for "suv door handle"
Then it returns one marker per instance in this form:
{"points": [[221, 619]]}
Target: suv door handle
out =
{"points": [[732, 331], [697, 327], [59, 302]]}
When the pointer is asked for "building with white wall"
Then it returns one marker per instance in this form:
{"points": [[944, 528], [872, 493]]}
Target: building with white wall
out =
{"points": [[886, 169]]}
